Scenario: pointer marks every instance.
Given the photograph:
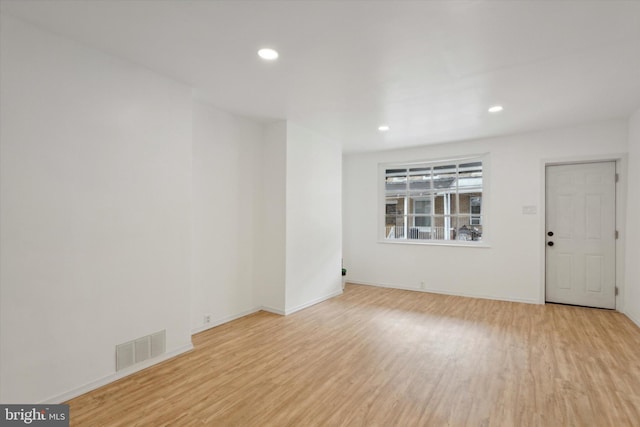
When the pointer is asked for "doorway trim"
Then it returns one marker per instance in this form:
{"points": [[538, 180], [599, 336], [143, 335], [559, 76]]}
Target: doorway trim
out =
{"points": [[620, 160]]}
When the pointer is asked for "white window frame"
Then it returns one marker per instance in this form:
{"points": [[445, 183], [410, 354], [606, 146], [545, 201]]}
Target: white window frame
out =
{"points": [[485, 210]]}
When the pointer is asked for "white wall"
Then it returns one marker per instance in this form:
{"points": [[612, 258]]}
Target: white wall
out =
{"points": [[128, 208], [227, 164], [299, 239], [314, 218], [270, 244], [95, 213], [632, 284], [512, 267]]}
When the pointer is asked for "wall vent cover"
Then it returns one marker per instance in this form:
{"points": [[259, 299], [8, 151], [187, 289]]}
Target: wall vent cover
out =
{"points": [[143, 348], [158, 343], [124, 355], [140, 349]]}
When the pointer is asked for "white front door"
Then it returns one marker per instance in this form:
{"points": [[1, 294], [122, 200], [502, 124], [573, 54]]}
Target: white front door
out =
{"points": [[580, 227]]}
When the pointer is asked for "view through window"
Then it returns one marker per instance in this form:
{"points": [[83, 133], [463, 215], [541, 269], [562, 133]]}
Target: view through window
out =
{"points": [[434, 201]]}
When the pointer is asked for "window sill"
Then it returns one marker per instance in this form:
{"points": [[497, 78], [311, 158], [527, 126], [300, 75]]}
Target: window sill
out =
{"points": [[456, 243]]}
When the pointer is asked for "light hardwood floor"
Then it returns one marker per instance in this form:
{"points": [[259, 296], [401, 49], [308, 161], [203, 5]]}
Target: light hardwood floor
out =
{"points": [[385, 357]]}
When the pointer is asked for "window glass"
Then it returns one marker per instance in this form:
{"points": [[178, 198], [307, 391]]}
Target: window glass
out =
{"points": [[434, 201], [475, 207]]}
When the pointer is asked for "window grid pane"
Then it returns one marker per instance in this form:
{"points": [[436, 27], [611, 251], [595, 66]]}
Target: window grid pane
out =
{"points": [[440, 202]]}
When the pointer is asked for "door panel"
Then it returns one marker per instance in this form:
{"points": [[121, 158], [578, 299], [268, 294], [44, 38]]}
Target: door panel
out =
{"points": [[595, 264], [580, 253], [593, 213], [564, 267]]}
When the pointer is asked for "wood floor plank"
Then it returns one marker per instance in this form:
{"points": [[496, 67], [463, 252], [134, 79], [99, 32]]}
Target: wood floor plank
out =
{"points": [[387, 357]]}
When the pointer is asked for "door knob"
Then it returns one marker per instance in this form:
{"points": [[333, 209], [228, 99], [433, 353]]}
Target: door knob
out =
{"points": [[550, 243], [550, 233]]}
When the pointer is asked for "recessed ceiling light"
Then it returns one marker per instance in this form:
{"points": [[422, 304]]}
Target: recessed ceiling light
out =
{"points": [[268, 54], [383, 128], [496, 109]]}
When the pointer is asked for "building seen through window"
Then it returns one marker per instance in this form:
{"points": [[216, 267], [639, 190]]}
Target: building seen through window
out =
{"points": [[434, 202]]}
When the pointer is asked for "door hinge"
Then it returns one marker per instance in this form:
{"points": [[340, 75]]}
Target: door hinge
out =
{"points": [[617, 234], [617, 291], [617, 177]]}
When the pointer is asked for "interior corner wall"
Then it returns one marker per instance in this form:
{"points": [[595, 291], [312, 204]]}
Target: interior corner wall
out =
{"points": [[270, 237], [314, 218], [512, 267], [95, 213], [632, 276], [227, 165]]}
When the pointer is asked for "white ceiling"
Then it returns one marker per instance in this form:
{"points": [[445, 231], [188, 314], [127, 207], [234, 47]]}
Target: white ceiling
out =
{"points": [[428, 69]]}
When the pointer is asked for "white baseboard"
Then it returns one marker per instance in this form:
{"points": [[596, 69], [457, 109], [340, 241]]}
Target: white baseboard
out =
{"points": [[288, 311], [273, 310], [633, 318], [313, 302], [446, 292], [116, 376], [225, 319]]}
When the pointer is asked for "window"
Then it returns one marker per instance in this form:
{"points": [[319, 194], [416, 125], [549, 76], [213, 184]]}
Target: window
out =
{"points": [[475, 203], [435, 201]]}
